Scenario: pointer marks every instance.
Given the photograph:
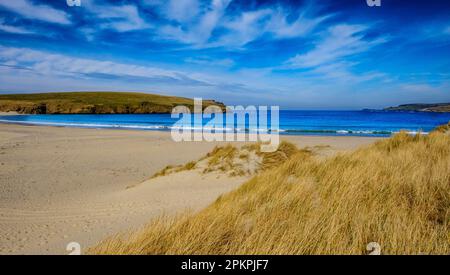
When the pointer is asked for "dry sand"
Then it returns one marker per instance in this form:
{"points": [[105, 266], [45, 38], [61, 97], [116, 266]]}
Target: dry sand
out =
{"points": [[59, 185], [9, 113]]}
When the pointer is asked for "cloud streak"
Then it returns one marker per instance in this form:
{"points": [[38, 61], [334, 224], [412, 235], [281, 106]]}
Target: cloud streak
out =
{"points": [[226, 62], [338, 42], [13, 29], [195, 23], [198, 31], [48, 64], [29, 10], [121, 18]]}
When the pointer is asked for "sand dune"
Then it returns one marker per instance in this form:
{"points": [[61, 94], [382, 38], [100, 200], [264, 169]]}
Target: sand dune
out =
{"points": [[60, 185]]}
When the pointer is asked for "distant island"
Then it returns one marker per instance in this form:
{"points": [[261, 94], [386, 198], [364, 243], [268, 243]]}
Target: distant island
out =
{"points": [[95, 103], [418, 107]]}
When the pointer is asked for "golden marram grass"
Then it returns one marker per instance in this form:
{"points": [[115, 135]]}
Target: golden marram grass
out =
{"points": [[395, 192]]}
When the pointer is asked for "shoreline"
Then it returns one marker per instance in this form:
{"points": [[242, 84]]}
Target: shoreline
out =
{"points": [[167, 129], [11, 113], [63, 184]]}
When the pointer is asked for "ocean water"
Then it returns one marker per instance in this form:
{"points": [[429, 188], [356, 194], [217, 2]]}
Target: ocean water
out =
{"points": [[337, 123]]}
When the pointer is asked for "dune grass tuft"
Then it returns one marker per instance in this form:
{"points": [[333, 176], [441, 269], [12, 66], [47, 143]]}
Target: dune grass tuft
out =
{"points": [[166, 170], [222, 157], [237, 162], [443, 128], [395, 192]]}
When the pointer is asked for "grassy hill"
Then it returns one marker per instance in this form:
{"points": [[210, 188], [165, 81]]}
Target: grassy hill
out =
{"points": [[395, 192], [438, 107], [94, 103]]}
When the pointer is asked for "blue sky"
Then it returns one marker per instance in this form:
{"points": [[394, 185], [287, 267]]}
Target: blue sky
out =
{"points": [[296, 54]]}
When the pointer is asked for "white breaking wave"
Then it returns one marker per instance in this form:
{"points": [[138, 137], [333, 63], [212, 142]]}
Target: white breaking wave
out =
{"points": [[198, 128]]}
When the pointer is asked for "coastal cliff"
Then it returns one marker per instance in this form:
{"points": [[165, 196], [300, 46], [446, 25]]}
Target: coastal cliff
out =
{"points": [[438, 107], [95, 103]]}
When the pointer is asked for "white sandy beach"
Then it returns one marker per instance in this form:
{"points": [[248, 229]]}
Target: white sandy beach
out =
{"points": [[9, 113], [59, 185]]}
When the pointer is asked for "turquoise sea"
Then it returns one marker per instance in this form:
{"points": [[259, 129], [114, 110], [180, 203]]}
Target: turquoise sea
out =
{"points": [[291, 122]]}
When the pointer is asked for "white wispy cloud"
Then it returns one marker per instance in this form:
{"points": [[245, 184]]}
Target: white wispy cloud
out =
{"points": [[340, 72], [252, 25], [338, 42], [245, 28], [121, 18], [13, 29], [191, 22], [199, 31], [182, 10], [226, 62], [30, 10], [304, 24], [44, 63], [195, 23]]}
